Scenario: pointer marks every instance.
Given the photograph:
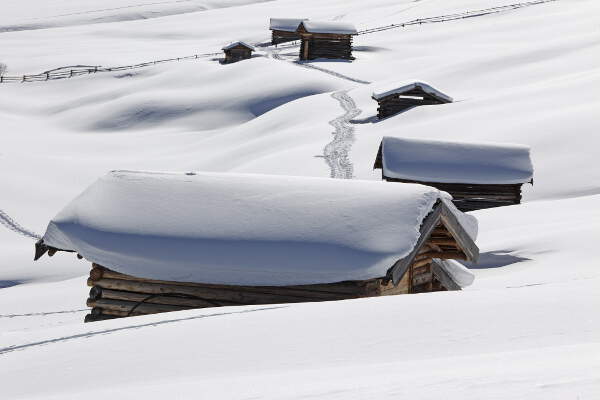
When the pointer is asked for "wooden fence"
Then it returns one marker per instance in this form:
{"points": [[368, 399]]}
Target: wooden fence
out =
{"points": [[69, 72], [453, 17]]}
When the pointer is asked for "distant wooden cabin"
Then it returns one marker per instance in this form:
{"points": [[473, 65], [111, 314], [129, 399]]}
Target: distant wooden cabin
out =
{"points": [[326, 40], [284, 29], [167, 242], [398, 98], [477, 175], [237, 51]]}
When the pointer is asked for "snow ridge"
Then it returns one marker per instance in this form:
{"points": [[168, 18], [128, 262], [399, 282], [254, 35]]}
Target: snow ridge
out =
{"points": [[336, 152]]}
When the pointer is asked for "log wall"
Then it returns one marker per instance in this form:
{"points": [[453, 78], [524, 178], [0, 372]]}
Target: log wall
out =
{"points": [[397, 103], [278, 37], [336, 47], [237, 54], [470, 197]]}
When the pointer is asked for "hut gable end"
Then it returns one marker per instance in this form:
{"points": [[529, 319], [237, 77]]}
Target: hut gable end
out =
{"points": [[443, 236]]}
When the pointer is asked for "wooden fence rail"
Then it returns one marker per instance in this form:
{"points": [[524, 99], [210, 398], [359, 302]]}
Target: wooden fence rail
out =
{"points": [[70, 72]]}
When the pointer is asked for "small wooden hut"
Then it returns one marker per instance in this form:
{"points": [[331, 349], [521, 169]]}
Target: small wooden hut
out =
{"points": [[477, 175], [166, 242], [237, 51], [284, 29], [395, 98], [326, 40]]}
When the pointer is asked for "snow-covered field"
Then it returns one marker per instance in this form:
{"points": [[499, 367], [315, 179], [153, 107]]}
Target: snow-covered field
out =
{"points": [[526, 329]]}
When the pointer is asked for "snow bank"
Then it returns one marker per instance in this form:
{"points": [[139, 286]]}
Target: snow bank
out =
{"points": [[458, 272], [343, 28], [242, 229], [386, 89], [455, 162], [285, 24]]}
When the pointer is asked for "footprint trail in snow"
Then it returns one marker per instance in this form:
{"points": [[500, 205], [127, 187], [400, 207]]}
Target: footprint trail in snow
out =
{"points": [[337, 152]]}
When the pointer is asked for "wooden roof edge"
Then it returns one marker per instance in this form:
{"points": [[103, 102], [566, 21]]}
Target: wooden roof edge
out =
{"points": [[397, 270], [464, 241], [42, 248]]}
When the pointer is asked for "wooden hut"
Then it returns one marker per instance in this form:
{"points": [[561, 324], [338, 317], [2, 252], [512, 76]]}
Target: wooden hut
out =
{"points": [[237, 51], [395, 98], [284, 29], [476, 175], [326, 40], [166, 242]]}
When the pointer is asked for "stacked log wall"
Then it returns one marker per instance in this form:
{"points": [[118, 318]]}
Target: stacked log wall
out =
{"points": [[113, 294], [278, 37], [471, 197], [396, 103], [326, 47]]}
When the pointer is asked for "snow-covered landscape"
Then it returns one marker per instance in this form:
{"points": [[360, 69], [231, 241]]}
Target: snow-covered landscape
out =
{"points": [[525, 79]]}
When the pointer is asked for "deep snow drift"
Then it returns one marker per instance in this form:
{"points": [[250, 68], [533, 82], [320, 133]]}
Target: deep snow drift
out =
{"points": [[525, 329]]}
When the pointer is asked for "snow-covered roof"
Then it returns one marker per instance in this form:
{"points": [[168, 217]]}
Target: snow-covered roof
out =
{"points": [[387, 89], [342, 28], [285, 24], [243, 229], [455, 162], [238, 43]]}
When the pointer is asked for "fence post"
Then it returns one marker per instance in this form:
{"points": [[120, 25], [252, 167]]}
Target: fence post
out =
{"points": [[23, 78], [47, 75], [71, 74], [1, 78]]}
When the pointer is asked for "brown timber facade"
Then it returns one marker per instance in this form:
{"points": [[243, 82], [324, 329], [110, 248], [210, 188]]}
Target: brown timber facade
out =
{"points": [[324, 45], [398, 102], [237, 53]]}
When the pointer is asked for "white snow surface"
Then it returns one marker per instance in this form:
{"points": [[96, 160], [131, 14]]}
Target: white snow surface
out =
{"points": [[527, 328], [388, 88], [343, 28], [243, 229], [234, 44], [458, 272], [455, 162], [285, 24]]}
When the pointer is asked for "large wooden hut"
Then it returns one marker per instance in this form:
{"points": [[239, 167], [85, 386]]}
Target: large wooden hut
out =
{"points": [[477, 175], [396, 98], [284, 29], [237, 51], [166, 242], [326, 40]]}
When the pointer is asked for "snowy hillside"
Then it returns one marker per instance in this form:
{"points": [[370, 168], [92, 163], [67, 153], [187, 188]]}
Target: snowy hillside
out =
{"points": [[526, 328]]}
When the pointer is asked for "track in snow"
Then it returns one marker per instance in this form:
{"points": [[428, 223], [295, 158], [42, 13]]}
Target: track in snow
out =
{"points": [[337, 152], [275, 55], [11, 224]]}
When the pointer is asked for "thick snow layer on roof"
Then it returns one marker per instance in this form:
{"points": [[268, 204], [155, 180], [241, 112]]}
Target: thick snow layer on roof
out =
{"points": [[285, 24], [238, 43], [241, 228], [455, 162], [343, 28], [387, 89], [458, 272]]}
